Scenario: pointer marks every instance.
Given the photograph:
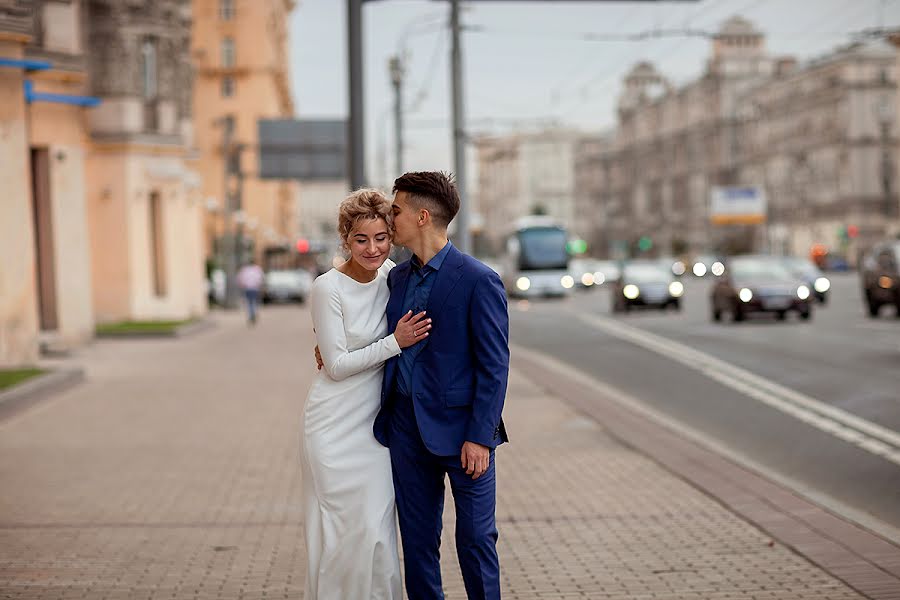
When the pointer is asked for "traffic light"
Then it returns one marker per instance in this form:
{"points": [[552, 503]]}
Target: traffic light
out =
{"points": [[576, 246], [302, 246], [645, 243], [852, 231]]}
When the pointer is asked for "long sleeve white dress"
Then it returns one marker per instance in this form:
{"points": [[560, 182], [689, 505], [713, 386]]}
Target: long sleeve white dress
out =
{"points": [[351, 533]]}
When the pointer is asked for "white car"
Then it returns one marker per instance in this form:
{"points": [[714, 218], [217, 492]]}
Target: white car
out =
{"points": [[292, 285]]}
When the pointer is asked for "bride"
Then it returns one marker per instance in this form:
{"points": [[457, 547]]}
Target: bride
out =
{"points": [[351, 533]]}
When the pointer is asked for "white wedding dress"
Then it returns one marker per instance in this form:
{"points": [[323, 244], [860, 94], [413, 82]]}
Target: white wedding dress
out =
{"points": [[351, 532]]}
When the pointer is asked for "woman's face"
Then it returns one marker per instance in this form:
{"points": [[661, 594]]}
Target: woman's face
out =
{"points": [[370, 244]]}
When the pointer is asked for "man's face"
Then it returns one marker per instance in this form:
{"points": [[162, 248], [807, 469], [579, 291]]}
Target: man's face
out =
{"points": [[404, 219]]}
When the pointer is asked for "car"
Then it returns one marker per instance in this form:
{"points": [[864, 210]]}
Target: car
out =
{"points": [[646, 283], [705, 264], [880, 277], [583, 272], [807, 271], [287, 285], [606, 271], [759, 284]]}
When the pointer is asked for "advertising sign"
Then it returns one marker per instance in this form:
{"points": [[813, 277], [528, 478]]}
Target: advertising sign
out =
{"points": [[737, 205]]}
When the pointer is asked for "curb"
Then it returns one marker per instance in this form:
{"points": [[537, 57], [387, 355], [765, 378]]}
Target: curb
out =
{"points": [[186, 330], [864, 560], [25, 394]]}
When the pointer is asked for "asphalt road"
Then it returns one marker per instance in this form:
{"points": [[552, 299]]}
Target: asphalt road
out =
{"points": [[762, 388]]}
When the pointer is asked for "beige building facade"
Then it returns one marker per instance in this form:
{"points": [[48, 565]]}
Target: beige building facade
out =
{"points": [[144, 201], [45, 276], [101, 219], [240, 53]]}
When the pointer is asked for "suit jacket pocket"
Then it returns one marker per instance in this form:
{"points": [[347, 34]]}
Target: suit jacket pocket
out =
{"points": [[458, 397]]}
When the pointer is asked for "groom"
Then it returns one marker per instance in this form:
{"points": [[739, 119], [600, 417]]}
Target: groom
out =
{"points": [[442, 398]]}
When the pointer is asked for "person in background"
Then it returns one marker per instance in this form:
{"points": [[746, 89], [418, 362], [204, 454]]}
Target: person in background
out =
{"points": [[250, 280]]}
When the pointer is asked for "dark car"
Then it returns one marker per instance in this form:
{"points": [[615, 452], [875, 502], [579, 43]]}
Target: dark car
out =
{"points": [[807, 271], [881, 278], [759, 284], [646, 283]]}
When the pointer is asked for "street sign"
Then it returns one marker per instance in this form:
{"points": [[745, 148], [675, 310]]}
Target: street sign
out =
{"points": [[302, 149], [737, 205]]}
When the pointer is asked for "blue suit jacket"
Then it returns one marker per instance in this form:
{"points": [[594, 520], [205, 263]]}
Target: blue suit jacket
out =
{"points": [[459, 378]]}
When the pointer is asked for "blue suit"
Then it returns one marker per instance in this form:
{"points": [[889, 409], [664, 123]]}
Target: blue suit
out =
{"points": [[456, 394]]}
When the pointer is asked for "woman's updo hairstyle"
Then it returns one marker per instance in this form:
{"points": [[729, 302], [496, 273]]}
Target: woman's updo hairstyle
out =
{"points": [[365, 204]]}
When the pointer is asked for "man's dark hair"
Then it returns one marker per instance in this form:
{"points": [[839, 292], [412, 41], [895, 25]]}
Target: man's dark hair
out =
{"points": [[434, 191]]}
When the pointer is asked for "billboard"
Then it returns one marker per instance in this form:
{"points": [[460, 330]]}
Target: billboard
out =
{"points": [[737, 205], [302, 149]]}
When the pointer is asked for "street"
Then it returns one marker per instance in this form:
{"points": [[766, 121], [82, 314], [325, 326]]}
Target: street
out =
{"points": [[764, 390]]}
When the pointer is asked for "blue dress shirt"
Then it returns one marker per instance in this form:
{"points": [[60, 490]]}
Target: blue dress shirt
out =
{"points": [[421, 280]]}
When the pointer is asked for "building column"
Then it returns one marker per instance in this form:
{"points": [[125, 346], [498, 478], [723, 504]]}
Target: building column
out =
{"points": [[18, 299]]}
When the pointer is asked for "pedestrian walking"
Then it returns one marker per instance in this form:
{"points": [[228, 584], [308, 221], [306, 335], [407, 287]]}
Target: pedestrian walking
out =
{"points": [[250, 280]]}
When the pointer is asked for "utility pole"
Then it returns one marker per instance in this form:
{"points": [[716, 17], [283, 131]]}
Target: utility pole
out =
{"points": [[233, 192], [395, 66], [355, 126], [463, 237]]}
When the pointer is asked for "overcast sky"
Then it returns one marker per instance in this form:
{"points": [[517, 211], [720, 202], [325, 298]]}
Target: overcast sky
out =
{"points": [[528, 62]]}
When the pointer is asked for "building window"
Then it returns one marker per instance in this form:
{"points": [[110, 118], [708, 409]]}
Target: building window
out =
{"points": [[149, 70], [228, 52], [226, 10], [157, 247], [227, 87]]}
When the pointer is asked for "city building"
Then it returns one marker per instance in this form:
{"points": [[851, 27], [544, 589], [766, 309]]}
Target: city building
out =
{"points": [[101, 218], [524, 174], [817, 140], [240, 55], [144, 201]]}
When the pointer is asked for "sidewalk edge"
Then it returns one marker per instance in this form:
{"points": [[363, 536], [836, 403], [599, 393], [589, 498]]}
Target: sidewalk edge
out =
{"points": [[839, 544], [30, 392]]}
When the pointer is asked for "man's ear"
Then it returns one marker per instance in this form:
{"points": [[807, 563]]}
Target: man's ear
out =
{"points": [[424, 216]]}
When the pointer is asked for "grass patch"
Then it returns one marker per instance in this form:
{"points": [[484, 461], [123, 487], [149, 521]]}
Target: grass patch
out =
{"points": [[128, 327], [10, 377]]}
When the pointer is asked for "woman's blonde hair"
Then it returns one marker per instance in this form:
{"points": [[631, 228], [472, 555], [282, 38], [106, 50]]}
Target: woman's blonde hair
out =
{"points": [[365, 204]]}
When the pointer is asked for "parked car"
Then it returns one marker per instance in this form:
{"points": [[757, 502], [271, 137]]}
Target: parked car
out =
{"points": [[880, 277], [293, 285], [759, 284], [646, 283], [215, 287], [805, 270]]}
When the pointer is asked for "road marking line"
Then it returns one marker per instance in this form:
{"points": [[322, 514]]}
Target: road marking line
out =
{"points": [[708, 441], [863, 434]]}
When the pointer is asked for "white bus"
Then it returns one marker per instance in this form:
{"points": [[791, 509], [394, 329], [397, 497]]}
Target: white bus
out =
{"points": [[537, 260]]}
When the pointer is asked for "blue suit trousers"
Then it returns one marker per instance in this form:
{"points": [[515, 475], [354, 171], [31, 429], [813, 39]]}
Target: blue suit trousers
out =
{"points": [[419, 484]]}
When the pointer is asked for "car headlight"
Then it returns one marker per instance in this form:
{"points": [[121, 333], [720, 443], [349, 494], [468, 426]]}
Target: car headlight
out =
{"points": [[717, 269], [699, 269], [822, 285], [599, 278], [523, 283], [631, 291], [676, 289], [803, 292], [587, 280], [678, 268], [567, 281], [746, 295]]}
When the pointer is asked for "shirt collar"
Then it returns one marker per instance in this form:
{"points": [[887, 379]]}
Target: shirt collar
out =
{"points": [[437, 260]]}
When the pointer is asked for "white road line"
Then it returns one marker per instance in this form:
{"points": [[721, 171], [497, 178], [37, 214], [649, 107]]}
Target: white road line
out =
{"points": [[863, 434], [686, 431]]}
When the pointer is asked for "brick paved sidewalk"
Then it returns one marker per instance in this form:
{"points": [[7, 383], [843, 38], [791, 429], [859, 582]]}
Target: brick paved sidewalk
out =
{"points": [[172, 473]]}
